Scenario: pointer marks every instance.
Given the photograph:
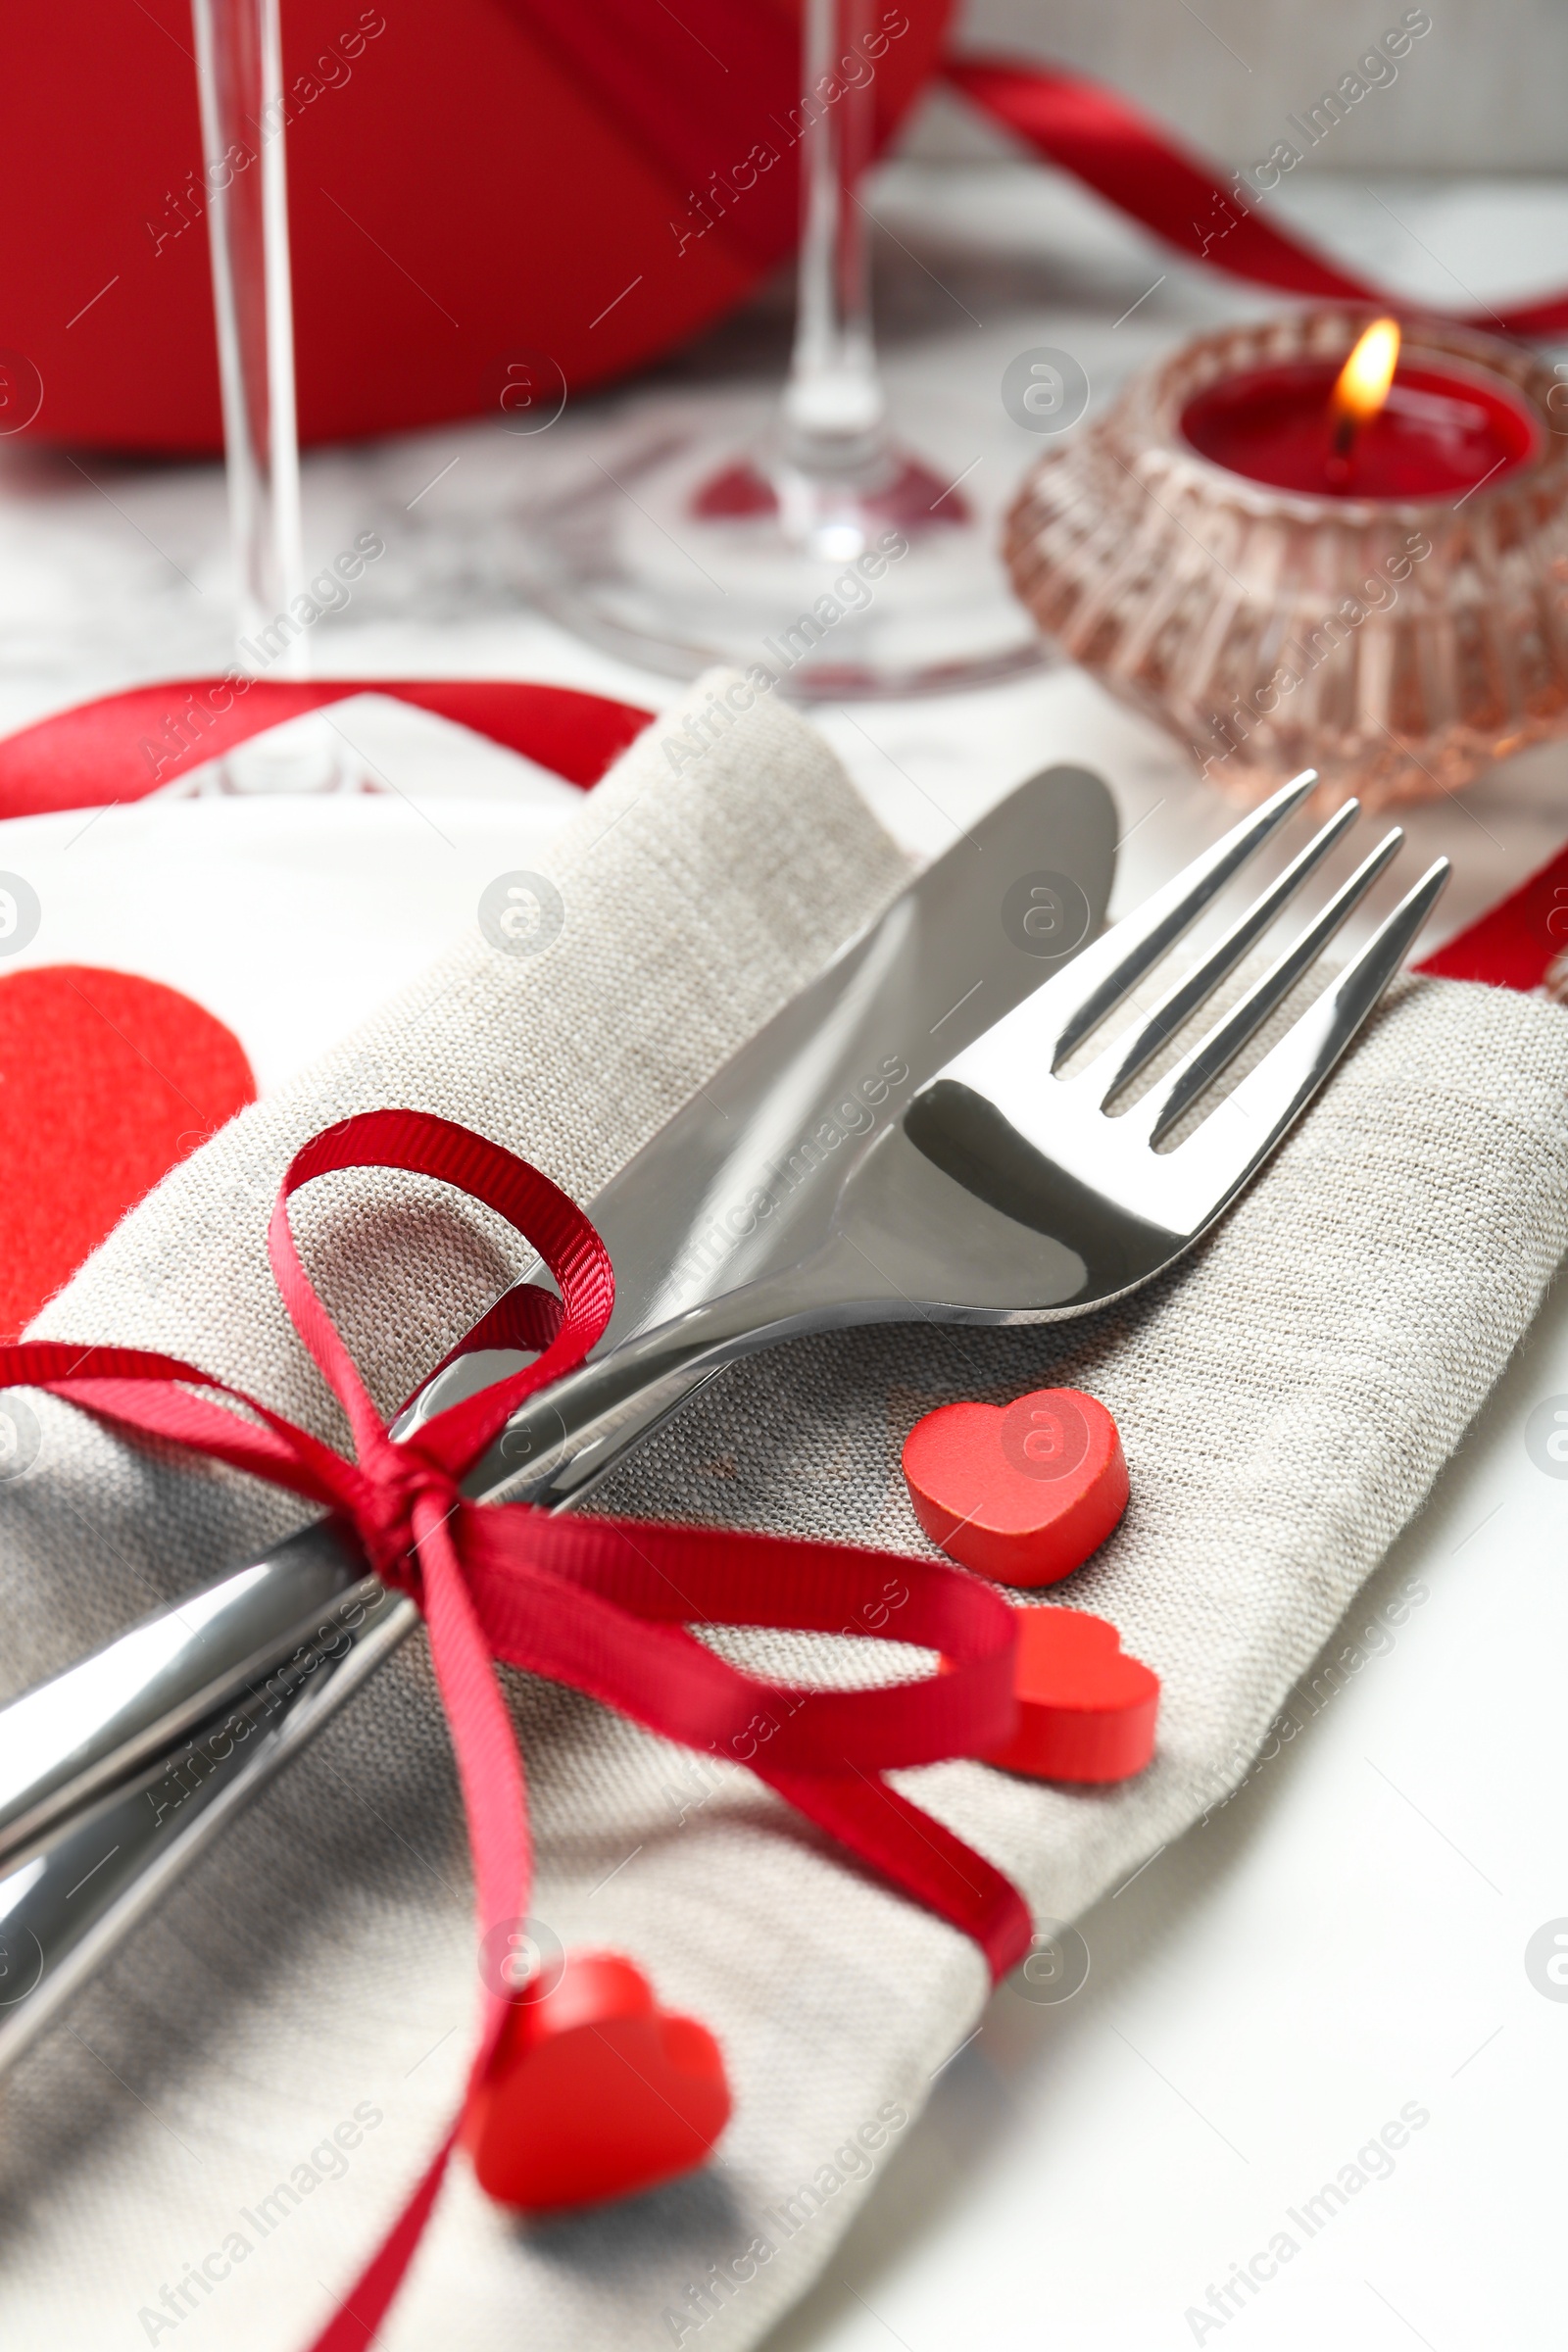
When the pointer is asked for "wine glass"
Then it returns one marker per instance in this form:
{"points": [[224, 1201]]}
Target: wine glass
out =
{"points": [[675, 558]]}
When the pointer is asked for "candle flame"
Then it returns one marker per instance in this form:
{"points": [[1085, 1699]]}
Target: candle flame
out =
{"points": [[1364, 380]]}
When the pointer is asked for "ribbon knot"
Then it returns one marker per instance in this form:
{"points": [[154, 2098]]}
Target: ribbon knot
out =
{"points": [[411, 1498], [602, 1604]]}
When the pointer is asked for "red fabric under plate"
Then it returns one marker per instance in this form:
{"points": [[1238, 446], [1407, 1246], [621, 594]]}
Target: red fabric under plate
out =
{"points": [[1514, 944]]}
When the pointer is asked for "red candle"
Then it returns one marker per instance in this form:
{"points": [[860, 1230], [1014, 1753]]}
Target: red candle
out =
{"points": [[1369, 429]]}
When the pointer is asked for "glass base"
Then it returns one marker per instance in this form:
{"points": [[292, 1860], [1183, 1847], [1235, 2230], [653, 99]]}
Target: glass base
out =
{"points": [[306, 754], [697, 542]]}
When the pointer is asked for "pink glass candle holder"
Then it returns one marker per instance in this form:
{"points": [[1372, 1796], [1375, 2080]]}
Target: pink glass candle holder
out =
{"points": [[1398, 623]]}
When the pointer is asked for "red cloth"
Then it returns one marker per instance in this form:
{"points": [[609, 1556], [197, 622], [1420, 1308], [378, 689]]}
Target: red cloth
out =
{"points": [[476, 178]]}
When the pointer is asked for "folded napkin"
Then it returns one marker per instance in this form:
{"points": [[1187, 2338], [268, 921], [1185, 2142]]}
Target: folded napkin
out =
{"points": [[1285, 1397]]}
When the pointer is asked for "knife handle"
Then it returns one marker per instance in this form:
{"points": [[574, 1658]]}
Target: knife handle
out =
{"points": [[65, 1907], [69, 1739]]}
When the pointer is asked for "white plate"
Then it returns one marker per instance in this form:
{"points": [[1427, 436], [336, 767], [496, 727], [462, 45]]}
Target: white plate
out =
{"points": [[290, 918]]}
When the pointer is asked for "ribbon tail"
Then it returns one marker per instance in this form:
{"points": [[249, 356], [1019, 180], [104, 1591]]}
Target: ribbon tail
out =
{"points": [[1130, 160], [358, 2316], [1102, 139], [922, 1857], [490, 1771], [489, 1766]]}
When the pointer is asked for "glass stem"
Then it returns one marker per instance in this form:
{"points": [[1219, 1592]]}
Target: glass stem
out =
{"points": [[834, 405], [240, 79]]}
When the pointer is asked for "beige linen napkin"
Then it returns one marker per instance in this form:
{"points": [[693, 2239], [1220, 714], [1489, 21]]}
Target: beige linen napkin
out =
{"points": [[169, 2172]]}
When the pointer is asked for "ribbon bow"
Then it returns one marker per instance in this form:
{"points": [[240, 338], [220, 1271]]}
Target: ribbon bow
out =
{"points": [[602, 1604]]}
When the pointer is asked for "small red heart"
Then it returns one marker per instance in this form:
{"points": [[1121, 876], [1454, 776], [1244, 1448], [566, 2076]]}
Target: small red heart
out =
{"points": [[1022, 1492], [1086, 1709], [594, 2093], [106, 1080]]}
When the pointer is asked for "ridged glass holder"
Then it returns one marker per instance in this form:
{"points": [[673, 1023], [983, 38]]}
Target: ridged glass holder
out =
{"points": [[1396, 646]]}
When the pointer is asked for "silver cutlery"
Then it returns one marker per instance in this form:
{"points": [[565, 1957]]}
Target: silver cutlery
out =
{"points": [[999, 1190], [128, 1761], [923, 980]]}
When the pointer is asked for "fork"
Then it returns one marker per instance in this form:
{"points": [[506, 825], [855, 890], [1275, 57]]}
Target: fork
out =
{"points": [[1005, 1192]]}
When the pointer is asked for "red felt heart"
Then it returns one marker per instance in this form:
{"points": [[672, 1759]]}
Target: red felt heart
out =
{"points": [[594, 2093], [106, 1080], [1086, 1709], [1022, 1492]]}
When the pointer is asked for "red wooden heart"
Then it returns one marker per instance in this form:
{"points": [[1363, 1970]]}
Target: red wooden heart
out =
{"points": [[1022, 1492], [1086, 1709], [106, 1080], [594, 2093]]}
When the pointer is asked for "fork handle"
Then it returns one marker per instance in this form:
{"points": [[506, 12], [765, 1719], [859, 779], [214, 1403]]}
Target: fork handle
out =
{"points": [[563, 1441]]}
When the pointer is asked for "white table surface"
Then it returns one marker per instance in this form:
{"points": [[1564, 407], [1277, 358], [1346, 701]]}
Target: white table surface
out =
{"points": [[1348, 1937]]}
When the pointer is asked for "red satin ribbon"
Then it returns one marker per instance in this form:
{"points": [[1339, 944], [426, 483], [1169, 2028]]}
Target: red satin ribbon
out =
{"points": [[1514, 944], [123, 746], [601, 1604], [1127, 158]]}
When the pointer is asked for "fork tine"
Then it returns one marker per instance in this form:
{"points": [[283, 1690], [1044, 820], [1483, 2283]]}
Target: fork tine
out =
{"points": [[1095, 983], [1272, 1097], [1218, 1049], [1123, 1061]]}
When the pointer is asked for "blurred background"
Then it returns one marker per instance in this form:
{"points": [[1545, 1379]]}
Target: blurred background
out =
{"points": [[1482, 93]]}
